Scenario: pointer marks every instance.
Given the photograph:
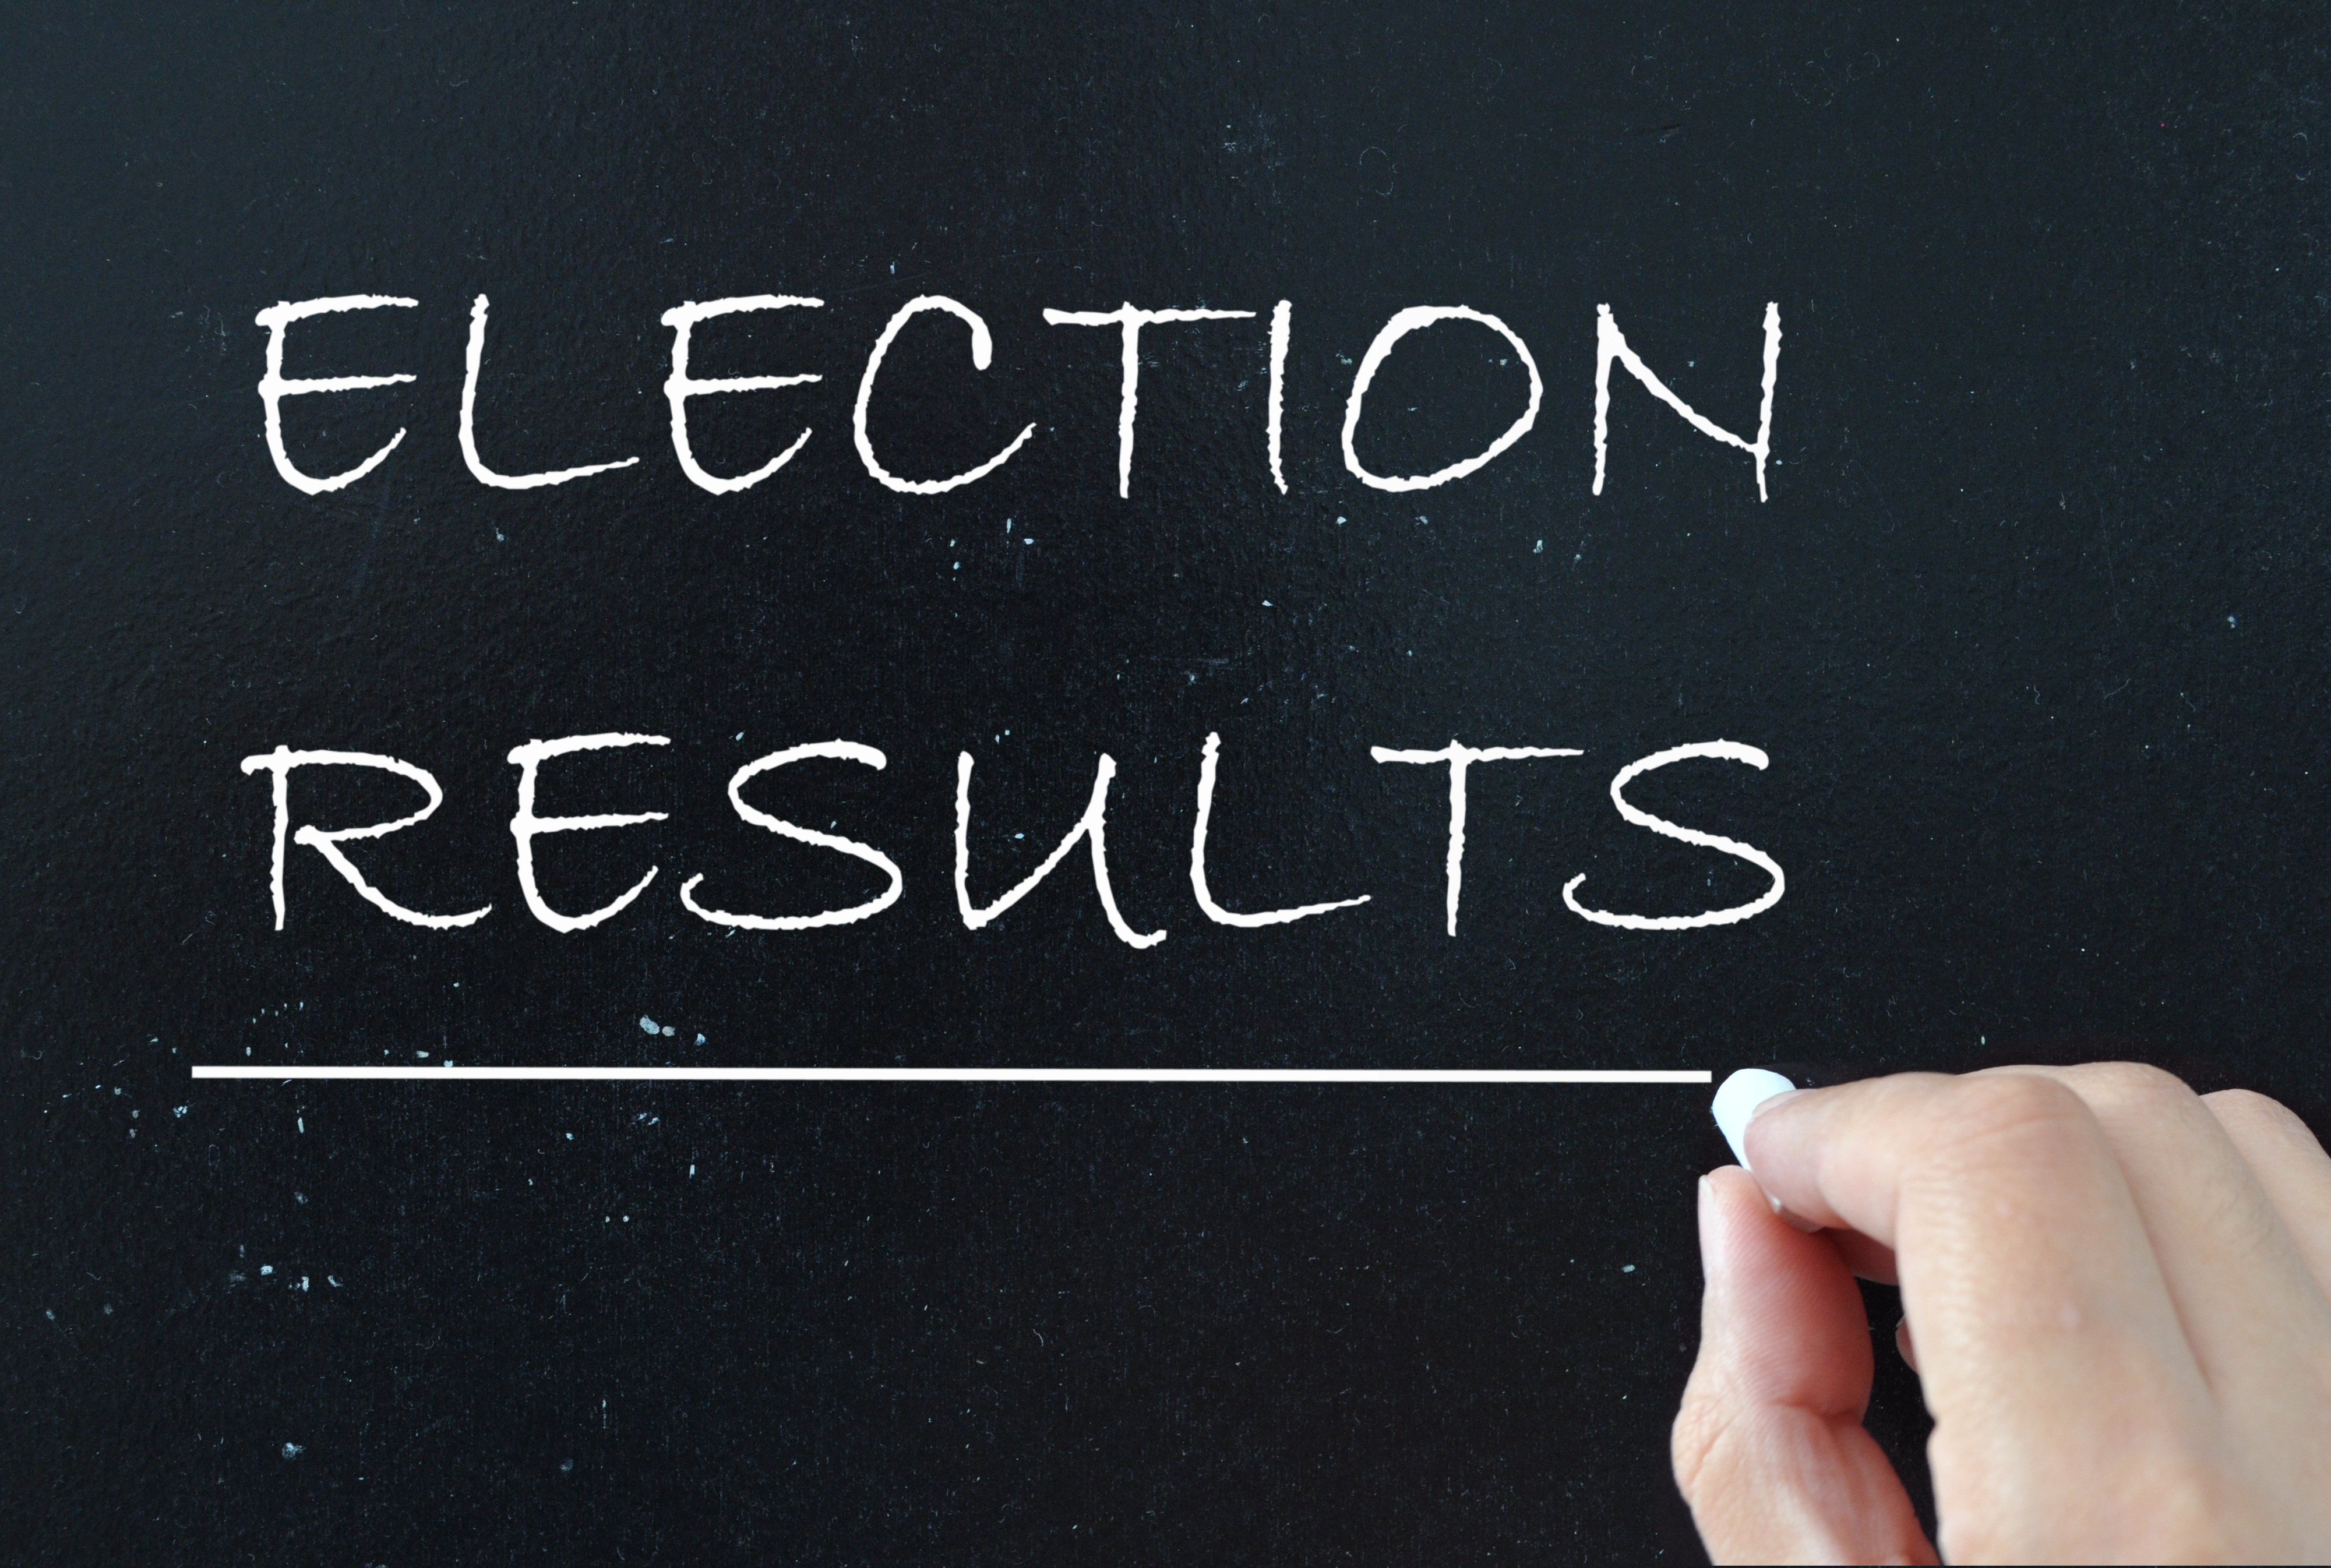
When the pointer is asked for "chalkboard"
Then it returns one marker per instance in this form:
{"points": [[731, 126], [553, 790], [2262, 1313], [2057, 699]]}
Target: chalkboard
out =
{"points": [[1990, 552]]}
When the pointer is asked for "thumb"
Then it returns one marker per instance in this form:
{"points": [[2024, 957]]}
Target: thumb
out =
{"points": [[1769, 1448]]}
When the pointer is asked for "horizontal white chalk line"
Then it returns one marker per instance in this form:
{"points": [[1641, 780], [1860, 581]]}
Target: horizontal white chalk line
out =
{"points": [[445, 1074]]}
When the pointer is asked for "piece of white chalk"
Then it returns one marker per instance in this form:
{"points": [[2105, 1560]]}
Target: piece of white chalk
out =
{"points": [[1737, 1101]]}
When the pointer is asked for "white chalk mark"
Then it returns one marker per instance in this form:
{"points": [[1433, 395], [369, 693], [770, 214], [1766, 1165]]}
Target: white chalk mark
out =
{"points": [[526, 826], [478, 468], [845, 751], [1131, 320], [1090, 827], [1610, 343], [1723, 751], [1281, 316], [326, 844], [972, 1074], [682, 386], [1214, 911], [983, 352], [1460, 758], [273, 388], [1402, 323]]}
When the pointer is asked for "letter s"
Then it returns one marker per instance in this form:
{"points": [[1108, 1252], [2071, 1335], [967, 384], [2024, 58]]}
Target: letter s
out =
{"points": [[1723, 750]]}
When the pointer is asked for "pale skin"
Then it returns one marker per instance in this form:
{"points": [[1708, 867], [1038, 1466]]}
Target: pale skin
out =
{"points": [[2114, 1292]]}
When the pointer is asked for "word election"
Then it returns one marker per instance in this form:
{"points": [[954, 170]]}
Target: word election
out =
{"points": [[1089, 829], [1610, 348]]}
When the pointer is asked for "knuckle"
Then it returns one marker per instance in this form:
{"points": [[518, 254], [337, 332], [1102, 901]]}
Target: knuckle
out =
{"points": [[2134, 1087], [1701, 1426], [1714, 1434], [2252, 1111], [1994, 1124], [2246, 1220], [2014, 1103]]}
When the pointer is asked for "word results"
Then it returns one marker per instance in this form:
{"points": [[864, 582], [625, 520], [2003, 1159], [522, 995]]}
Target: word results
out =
{"points": [[1089, 830]]}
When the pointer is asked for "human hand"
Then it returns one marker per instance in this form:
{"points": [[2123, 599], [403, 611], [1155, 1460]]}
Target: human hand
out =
{"points": [[2114, 1292]]}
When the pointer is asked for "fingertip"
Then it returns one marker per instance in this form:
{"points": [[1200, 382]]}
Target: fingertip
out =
{"points": [[1738, 1185], [1728, 1179], [1729, 1198]]}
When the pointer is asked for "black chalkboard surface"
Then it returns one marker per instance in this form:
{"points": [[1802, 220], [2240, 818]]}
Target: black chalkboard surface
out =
{"points": [[1991, 553]]}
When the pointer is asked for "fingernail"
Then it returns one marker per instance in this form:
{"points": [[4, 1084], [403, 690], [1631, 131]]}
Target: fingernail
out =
{"points": [[1713, 1253], [1737, 1103], [1790, 1217]]}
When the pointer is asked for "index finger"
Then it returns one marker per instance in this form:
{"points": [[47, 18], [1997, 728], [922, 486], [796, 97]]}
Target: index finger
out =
{"points": [[2051, 1356]]}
